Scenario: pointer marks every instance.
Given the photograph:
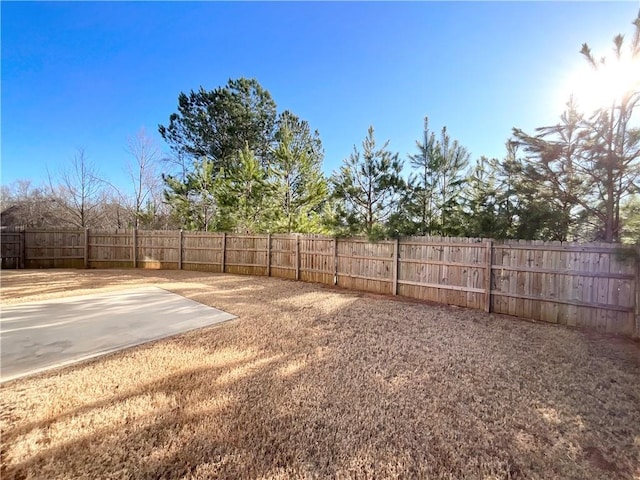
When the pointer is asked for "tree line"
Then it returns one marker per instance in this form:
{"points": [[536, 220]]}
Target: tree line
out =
{"points": [[239, 165], [80, 196]]}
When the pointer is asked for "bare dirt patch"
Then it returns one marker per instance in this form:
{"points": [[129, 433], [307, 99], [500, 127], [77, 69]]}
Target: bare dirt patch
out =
{"points": [[311, 382]]}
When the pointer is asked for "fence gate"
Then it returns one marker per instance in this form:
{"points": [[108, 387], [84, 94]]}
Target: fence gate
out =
{"points": [[12, 248]]}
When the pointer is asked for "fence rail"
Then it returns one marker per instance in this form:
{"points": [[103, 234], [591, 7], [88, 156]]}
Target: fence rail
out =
{"points": [[596, 286]]}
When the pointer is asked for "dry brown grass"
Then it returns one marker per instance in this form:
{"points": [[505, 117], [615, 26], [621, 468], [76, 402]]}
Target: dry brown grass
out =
{"points": [[311, 382]]}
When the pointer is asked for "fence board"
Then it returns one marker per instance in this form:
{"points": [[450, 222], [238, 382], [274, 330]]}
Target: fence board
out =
{"points": [[429, 268], [110, 249], [577, 286], [365, 265]]}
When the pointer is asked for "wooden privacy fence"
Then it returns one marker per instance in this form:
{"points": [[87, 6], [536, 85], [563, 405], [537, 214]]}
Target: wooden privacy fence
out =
{"points": [[595, 286], [12, 248]]}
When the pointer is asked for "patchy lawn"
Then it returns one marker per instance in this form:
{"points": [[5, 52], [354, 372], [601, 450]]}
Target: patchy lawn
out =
{"points": [[313, 382]]}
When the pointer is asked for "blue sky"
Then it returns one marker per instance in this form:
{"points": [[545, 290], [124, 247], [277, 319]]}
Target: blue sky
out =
{"points": [[89, 75]]}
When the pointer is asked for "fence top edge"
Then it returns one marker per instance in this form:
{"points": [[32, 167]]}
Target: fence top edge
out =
{"points": [[472, 241]]}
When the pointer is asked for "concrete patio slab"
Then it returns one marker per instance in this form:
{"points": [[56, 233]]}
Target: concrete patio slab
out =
{"points": [[37, 336]]}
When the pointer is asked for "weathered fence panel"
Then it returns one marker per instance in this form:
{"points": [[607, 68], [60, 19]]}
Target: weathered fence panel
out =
{"points": [[53, 249], [595, 286], [363, 265], [202, 251], [283, 256], [317, 259], [246, 254], [110, 249], [451, 272], [159, 249], [591, 286], [12, 248]]}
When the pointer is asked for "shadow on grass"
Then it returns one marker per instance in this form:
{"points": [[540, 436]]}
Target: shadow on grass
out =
{"points": [[366, 389]]}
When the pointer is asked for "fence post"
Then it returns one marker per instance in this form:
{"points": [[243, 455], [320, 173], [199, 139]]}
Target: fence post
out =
{"points": [[224, 250], [23, 239], [297, 257], [335, 260], [396, 254], [268, 254], [487, 280], [135, 249], [86, 248], [180, 250]]}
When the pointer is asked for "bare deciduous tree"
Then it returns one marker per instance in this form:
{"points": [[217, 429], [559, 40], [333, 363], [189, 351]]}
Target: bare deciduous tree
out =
{"points": [[25, 205], [142, 168], [80, 191]]}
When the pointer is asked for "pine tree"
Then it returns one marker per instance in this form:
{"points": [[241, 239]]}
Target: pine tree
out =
{"points": [[245, 197], [487, 205], [423, 203], [527, 208], [300, 188], [589, 163], [552, 173], [206, 134], [217, 124], [368, 188], [630, 216], [194, 198], [440, 169]]}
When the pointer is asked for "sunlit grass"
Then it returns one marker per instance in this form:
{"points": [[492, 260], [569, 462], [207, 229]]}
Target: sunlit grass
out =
{"points": [[311, 382]]}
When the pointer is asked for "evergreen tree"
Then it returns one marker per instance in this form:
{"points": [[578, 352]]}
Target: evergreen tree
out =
{"points": [[613, 149], [246, 198], [588, 164], [488, 207], [422, 206], [217, 124], [551, 175], [630, 216], [368, 188], [300, 188], [193, 199], [452, 160], [531, 216], [206, 134], [440, 169]]}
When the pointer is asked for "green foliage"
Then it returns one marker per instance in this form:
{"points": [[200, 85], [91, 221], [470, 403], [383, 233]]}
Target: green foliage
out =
{"points": [[488, 208], [245, 198], [254, 172], [529, 209], [368, 187], [422, 206], [553, 184], [439, 176], [300, 189], [217, 124], [630, 215], [193, 199], [240, 168]]}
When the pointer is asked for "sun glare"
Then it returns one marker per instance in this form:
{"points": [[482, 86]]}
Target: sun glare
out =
{"points": [[594, 89]]}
